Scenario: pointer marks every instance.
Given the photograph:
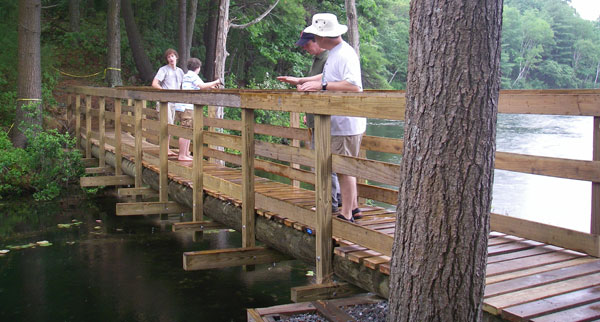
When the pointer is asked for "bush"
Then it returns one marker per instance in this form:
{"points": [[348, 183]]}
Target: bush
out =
{"points": [[46, 166]]}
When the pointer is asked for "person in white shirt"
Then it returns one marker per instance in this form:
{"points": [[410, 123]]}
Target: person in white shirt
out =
{"points": [[341, 73], [191, 81]]}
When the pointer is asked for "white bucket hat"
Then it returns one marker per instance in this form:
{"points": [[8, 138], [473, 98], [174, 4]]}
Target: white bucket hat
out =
{"points": [[326, 25]]}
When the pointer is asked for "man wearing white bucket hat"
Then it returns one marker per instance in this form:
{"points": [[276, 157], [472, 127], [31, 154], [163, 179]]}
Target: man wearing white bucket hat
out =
{"points": [[341, 73]]}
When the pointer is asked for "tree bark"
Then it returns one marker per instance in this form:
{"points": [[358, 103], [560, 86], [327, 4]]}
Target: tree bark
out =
{"points": [[353, 36], [28, 114], [191, 23], [182, 36], [135, 42], [440, 247], [159, 6], [210, 40], [113, 33], [74, 15]]}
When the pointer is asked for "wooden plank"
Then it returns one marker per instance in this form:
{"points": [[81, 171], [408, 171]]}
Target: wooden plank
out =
{"points": [[248, 218], [122, 180], [331, 312], [149, 208], [221, 258], [78, 121], [295, 123], [197, 226], [503, 240], [382, 144], [253, 316], [359, 256], [385, 268], [198, 167], [548, 277], [225, 140], [389, 196], [97, 170], [550, 102], [374, 262], [547, 166], [102, 132], [163, 137], [588, 312], [180, 131], [521, 252], [373, 240], [117, 144], [562, 237], [531, 261], [384, 172], [343, 251], [266, 129], [494, 251], [288, 309], [494, 305], [527, 311], [88, 126], [138, 143], [537, 270], [144, 191], [595, 220], [323, 291], [324, 243]]}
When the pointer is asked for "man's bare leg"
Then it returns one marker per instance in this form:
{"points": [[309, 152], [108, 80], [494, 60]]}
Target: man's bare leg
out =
{"points": [[349, 194]]}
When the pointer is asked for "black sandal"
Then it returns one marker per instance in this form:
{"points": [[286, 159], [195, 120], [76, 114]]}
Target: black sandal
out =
{"points": [[344, 218], [356, 214]]}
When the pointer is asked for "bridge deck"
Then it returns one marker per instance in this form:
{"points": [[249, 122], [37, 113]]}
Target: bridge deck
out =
{"points": [[525, 279]]}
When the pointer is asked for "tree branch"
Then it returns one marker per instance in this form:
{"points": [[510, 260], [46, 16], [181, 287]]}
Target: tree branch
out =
{"points": [[259, 18]]}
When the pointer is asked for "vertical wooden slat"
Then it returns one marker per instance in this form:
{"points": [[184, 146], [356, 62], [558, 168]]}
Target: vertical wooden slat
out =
{"points": [[88, 126], [595, 224], [163, 150], [324, 242], [102, 130], [78, 120], [248, 233], [295, 122], [138, 143], [118, 154], [197, 183]]}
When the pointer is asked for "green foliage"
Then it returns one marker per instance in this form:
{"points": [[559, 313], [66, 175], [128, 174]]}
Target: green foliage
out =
{"points": [[44, 167]]}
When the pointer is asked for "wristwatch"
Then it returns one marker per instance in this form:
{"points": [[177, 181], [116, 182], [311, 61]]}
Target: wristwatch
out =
{"points": [[324, 85]]}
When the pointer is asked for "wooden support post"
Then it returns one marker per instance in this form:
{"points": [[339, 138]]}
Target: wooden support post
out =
{"points": [[97, 170], [118, 153], [88, 126], [220, 258], [102, 132], [295, 123], [146, 192], [138, 143], [323, 291], [197, 226], [197, 180], [324, 243], [105, 181], [595, 224], [163, 150], [78, 121], [248, 215], [149, 208]]}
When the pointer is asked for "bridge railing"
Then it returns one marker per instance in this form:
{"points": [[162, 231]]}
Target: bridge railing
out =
{"points": [[151, 125]]}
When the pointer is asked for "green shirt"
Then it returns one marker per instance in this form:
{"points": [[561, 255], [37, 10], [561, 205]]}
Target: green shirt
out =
{"points": [[316, 69]]}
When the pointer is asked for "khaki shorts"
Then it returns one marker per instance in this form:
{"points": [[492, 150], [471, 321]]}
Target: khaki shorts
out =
{"points": [[346, 144], [186, 118]]}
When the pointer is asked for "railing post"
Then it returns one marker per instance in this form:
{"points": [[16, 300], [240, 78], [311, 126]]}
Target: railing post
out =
{"points": [[248, 233], [78, 121], [295, 123], [197, 183], [118, 154], [138, 143], [101, 131], [163, 152], [324, 244], [595, 223], [88, 126]]}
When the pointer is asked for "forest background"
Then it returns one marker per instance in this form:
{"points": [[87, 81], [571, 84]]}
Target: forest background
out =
{"points": [[545, 45]]}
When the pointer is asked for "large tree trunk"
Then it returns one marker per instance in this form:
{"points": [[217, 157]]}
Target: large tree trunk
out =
{"points": [[113, 34], [135, 42], [440, 246], [74, 15], [220, 52], [191, 23], [159, 7], [353, 37], [182, 36], [210, 39], [29, 79]]}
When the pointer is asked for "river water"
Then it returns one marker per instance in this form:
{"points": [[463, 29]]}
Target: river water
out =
{"points": [[559, 202], [109, 268]]}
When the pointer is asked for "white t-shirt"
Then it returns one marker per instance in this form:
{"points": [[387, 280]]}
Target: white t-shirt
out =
{"points": [[343, 64], [191, 80], [169, 78]]}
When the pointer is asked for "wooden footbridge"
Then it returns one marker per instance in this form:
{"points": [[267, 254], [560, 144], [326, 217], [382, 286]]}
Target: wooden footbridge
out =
{"points": [[535, 271]]}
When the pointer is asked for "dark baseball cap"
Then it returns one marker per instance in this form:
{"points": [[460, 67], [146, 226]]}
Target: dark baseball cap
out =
{"points": [[304, 38]]}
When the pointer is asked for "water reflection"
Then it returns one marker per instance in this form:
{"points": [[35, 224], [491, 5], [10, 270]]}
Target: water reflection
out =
{"points": [[560, 202], [124, 269]]}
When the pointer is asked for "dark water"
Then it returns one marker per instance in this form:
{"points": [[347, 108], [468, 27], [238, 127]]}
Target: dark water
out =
{"points": [[123, 268]]}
